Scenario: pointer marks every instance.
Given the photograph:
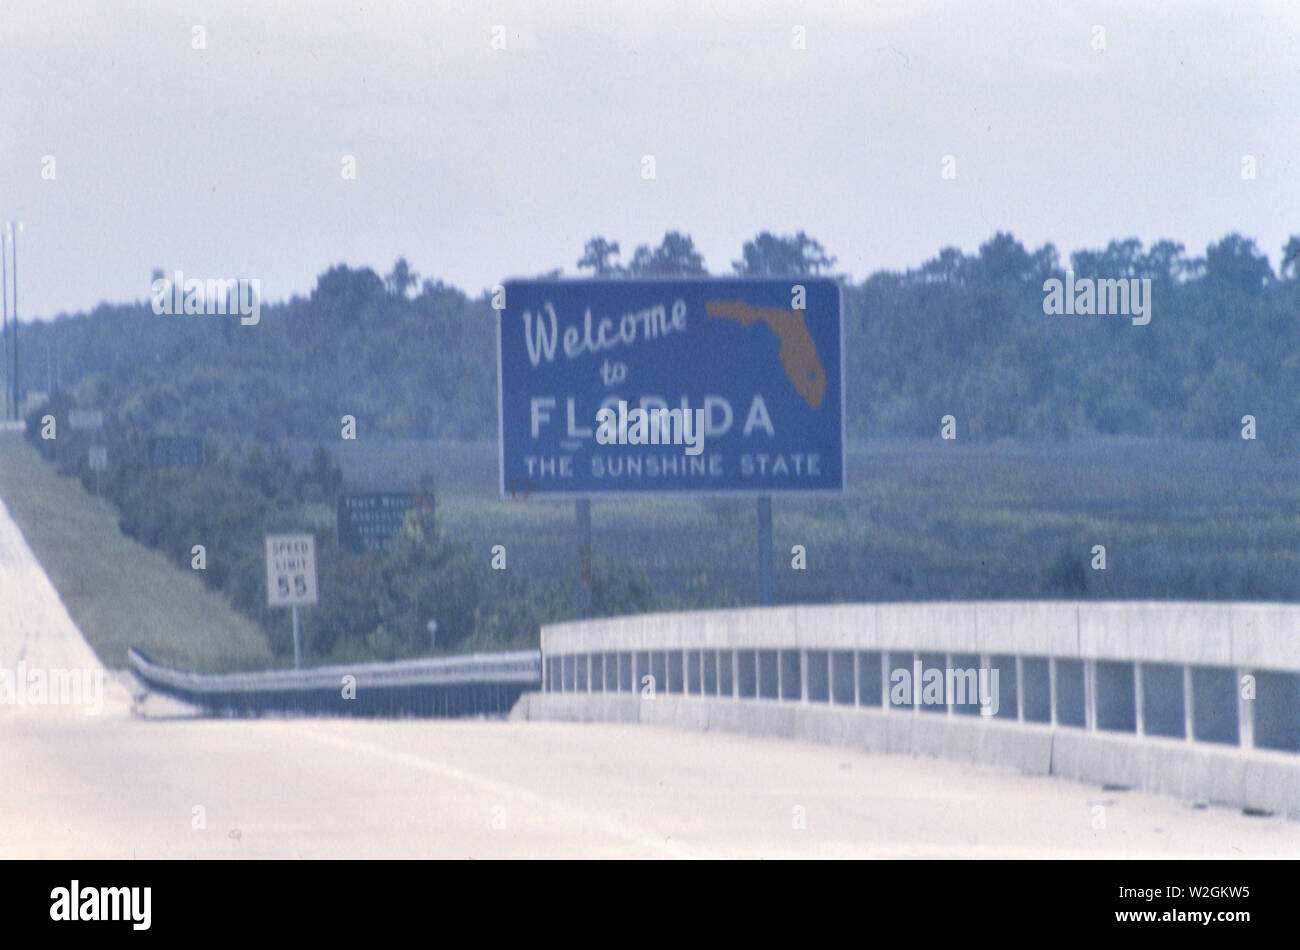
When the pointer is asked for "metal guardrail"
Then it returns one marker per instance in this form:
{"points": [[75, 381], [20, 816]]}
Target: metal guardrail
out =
{"points": [[476, 684]]}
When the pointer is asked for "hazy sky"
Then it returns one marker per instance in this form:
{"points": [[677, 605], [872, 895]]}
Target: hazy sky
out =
{"points": [[478, 164]]}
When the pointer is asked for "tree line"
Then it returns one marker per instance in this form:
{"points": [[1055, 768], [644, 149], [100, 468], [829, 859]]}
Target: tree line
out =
{"points": [[962, 334]]}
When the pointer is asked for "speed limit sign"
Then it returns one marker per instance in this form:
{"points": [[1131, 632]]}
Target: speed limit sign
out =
{"points": [[290, 570]]}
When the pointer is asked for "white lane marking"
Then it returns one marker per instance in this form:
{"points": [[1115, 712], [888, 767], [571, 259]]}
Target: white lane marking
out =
{"points": [[586, 817]]}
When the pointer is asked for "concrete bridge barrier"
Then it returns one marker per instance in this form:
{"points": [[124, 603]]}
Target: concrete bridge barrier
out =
{"points": [[1198, 700]]}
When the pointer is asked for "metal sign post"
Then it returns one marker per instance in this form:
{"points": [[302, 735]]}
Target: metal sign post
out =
{"points": [[582, 511], [764, 550], [291, 578]]}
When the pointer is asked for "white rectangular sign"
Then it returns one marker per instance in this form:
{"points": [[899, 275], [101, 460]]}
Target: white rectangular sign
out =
{"points": [[290, 570]]}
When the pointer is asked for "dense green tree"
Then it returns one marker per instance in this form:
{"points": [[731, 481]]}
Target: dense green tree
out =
{"points": [[1166, 262], [674, 257], [341, 287], [1235, 263], [769, 255], [1290, 269], [401, 279], [600, 257]]}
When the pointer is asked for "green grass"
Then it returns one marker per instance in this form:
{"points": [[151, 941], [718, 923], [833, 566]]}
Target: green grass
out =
{"points": [[119, 593], [921, 520]]}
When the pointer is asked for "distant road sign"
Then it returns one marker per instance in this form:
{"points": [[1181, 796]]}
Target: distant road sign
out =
{"points": [[86, 419], [98, 458], [290, 570], [368, 521], [762, 360], [172, 451]]}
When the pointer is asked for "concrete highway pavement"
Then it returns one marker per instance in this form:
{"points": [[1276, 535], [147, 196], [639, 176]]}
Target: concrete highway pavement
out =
{"points": [[115, 786]]}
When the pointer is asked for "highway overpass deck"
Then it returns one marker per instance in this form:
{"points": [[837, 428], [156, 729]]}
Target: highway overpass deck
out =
{"points": [[120, 787]]}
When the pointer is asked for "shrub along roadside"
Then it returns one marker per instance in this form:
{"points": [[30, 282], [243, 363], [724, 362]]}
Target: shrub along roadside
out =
{"points": [[374, 606]]}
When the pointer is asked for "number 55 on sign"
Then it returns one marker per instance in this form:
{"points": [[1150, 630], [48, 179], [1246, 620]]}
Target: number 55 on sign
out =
{"points": [[290, 570]]}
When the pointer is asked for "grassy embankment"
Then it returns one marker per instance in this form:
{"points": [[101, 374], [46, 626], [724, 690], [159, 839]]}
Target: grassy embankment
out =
{"points": [[118, 592]]}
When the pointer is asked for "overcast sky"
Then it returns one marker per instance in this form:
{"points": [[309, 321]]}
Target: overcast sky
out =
{"points": [[478, 164]]}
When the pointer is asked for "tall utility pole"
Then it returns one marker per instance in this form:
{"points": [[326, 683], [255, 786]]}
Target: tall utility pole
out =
{"points": [[13, 249], [4, 318]]}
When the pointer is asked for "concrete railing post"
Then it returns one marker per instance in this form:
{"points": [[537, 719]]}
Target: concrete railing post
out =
{"points": [[986, 663], [1245, 714], [1189, 710], [1139, 718], [1090, 695], [1020, 688], [947, 696], [1051, 690]]}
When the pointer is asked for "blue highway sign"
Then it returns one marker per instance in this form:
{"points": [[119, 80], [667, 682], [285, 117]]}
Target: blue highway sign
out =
{"points": [[727, 386]]}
